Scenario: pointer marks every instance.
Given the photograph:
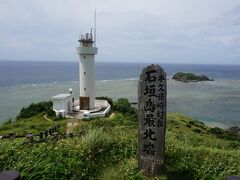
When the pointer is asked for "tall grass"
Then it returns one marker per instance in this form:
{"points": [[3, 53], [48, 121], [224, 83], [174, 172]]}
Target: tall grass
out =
{"points": [[106, 148], [33, 124], [81, 157]]}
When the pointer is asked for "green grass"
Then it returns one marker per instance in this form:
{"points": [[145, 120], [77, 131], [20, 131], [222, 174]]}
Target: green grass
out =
{"points": [[82, 157], [33, 124], [106, 148]]}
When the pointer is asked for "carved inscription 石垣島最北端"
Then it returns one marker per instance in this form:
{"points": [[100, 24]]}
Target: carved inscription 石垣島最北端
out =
{"points": [[152, 97]]}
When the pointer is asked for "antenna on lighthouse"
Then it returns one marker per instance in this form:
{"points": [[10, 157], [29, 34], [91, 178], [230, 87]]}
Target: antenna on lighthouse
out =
{"points": [[95, 27]]}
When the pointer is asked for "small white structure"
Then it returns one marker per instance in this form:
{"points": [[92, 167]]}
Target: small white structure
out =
{"points": [[101, 109], [86, 115], [62, 104]]}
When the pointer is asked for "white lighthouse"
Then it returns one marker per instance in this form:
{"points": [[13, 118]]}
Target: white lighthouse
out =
{"points": [[87, 50], [86, 106]]}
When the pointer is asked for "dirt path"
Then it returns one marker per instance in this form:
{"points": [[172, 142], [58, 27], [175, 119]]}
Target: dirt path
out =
{"points": [[112, 115], [45, 117], [71, 124]]}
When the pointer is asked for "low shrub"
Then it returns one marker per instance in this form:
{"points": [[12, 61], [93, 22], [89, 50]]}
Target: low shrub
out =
{"points": [[34, 109], [51, 113], [8, 122], [197, 130], [216, 130], [122, 105], [224, 134]]}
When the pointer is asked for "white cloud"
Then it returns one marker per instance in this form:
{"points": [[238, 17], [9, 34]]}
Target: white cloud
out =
{"points": [[230, 18], [19, 45], [136, 29], [225, 40]]}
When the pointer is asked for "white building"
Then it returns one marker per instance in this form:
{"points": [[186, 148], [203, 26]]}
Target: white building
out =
{"points": [[63, 104], [87, 51]]}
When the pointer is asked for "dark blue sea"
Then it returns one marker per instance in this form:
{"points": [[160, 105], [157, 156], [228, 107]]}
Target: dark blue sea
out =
{"points": [[216, 103], [14, 73]]}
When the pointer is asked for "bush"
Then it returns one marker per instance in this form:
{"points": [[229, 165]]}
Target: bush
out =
{"points": [[216, 130], [59, 117], [122, 105], [197, 130], [51, 113], [34, 109], [230, 136], [8, 122], [224, 134]]}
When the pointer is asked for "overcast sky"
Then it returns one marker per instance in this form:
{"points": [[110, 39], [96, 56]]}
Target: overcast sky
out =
{"points": [[163, 31]]}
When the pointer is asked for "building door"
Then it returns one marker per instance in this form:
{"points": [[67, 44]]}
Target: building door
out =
{"points": [[69, 106], [84, 103]]}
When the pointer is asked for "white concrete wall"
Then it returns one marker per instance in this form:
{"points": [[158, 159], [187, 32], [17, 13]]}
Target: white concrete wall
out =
{"points": [[62, 104], [59, 104], [87, 50], [102, 114], [69, 99], [87, 73]]}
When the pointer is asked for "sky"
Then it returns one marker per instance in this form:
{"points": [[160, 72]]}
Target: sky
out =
{"points": [[163, 31]]}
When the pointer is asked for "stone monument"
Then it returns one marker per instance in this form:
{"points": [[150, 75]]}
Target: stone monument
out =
{"points": [[152, 96]]}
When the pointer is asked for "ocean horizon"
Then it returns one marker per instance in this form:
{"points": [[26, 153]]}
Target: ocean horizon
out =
{"points": [[215, 103]]}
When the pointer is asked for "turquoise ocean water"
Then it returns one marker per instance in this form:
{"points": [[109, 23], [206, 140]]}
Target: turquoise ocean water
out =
{"points": [[216, 103]]}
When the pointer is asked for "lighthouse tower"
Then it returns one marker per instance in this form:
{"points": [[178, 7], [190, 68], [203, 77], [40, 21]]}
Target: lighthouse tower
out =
{"points": [[87, 50]]}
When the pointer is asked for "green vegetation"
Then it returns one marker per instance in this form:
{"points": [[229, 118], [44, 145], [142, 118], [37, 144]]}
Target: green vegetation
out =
{"points": [[34, 124], [105, 148], [228, 135], [190, 77], [34, 109], [51, 113], [124, 106]]}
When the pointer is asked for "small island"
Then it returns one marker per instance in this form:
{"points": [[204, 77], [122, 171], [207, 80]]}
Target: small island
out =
{"points": [[190, 77]]}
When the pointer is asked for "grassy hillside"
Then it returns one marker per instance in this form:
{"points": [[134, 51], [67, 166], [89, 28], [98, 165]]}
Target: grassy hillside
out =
{"points": [[105, 148], [33, 124]]}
